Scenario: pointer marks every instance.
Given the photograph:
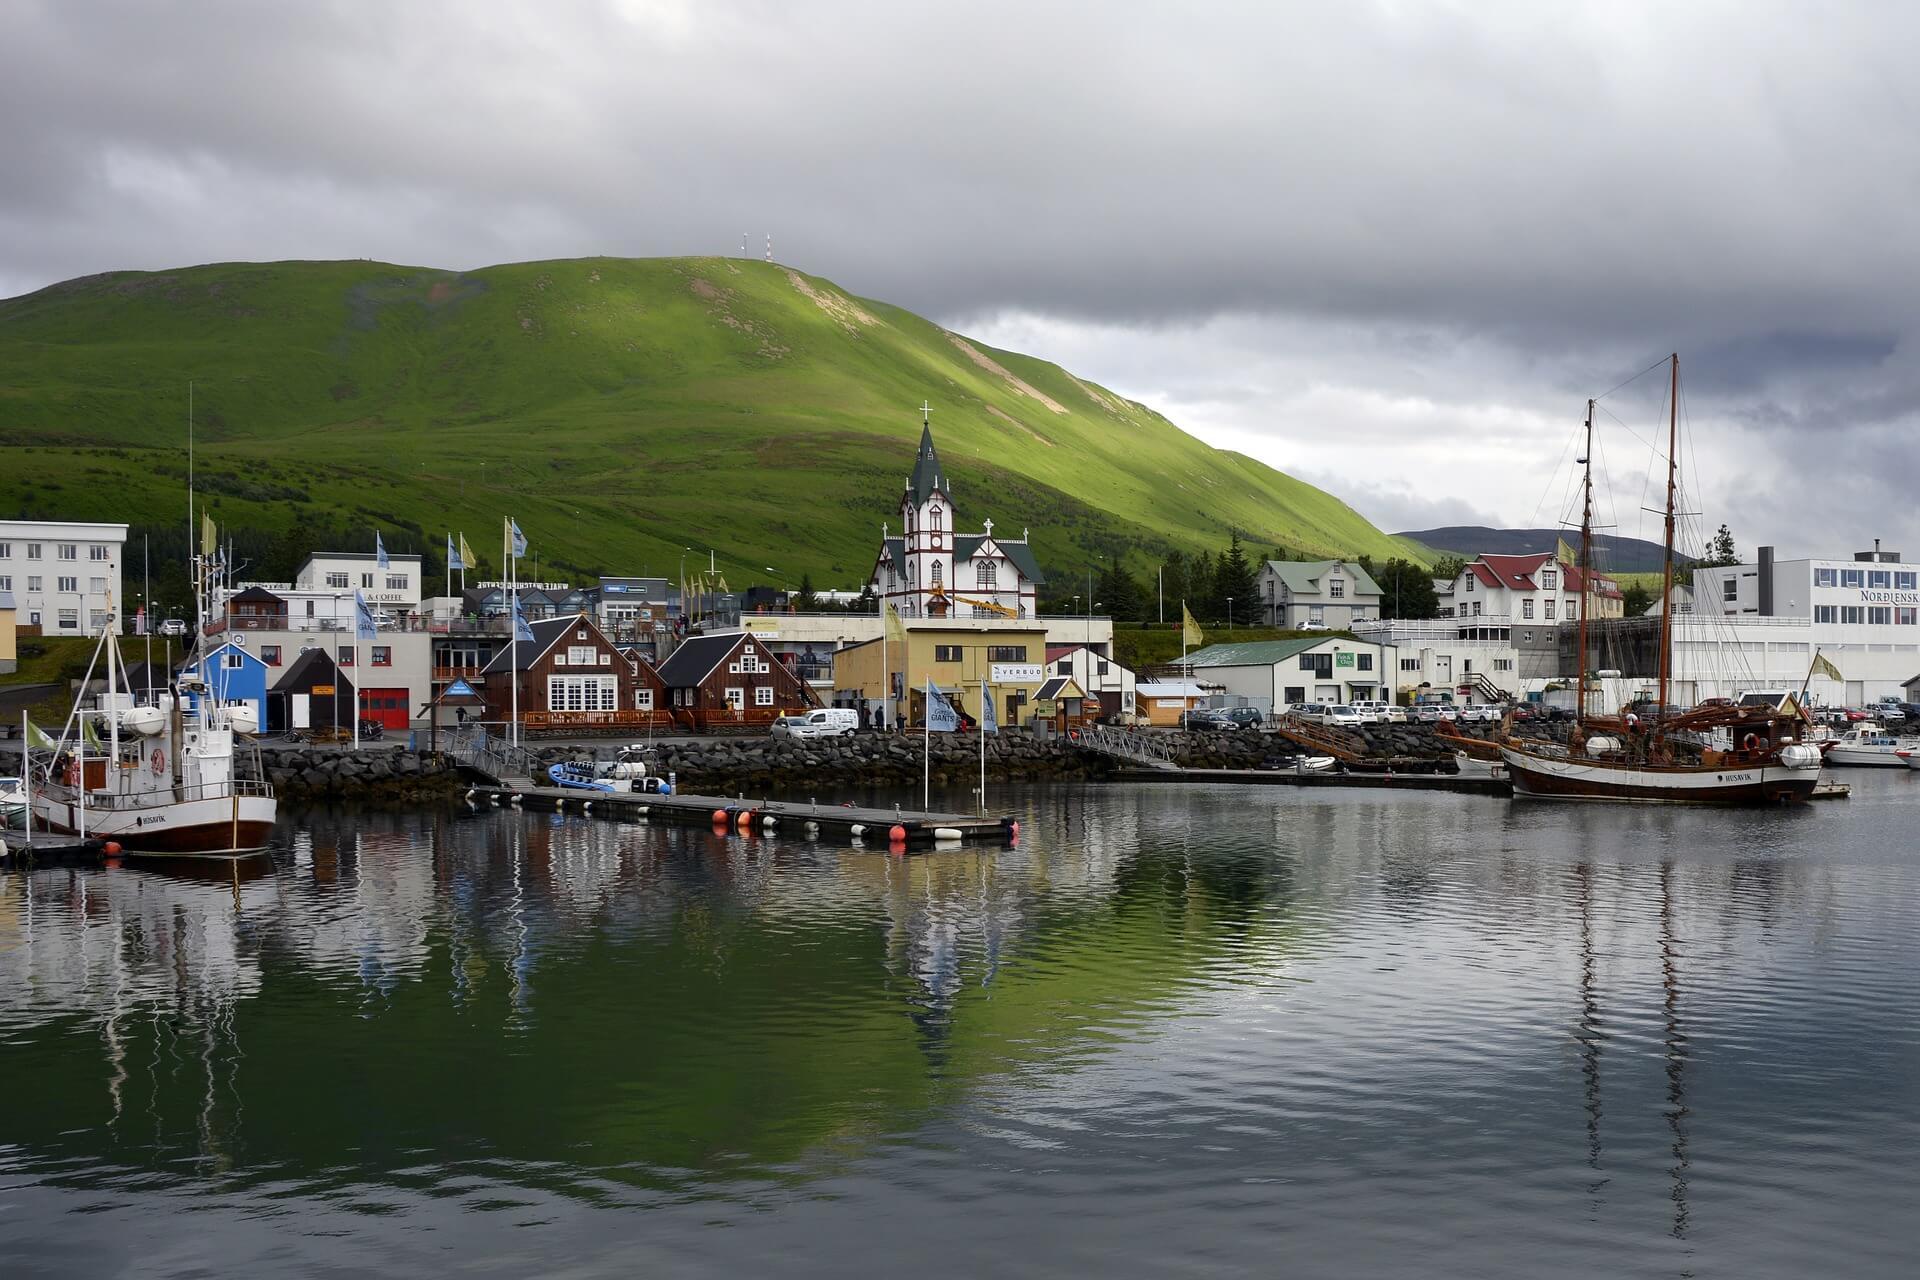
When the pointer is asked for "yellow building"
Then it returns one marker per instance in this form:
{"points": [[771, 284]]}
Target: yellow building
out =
{"points": [[9, 652], [956, 654]]}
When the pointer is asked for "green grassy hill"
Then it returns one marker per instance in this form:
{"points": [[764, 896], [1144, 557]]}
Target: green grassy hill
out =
{"points": [[623, 410]]}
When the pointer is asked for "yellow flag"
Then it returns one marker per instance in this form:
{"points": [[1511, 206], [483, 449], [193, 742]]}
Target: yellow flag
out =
{"points": [[1822, 667], [896, 629], [1564, 553], [466, 552], [208, 538], [1190, 633]]}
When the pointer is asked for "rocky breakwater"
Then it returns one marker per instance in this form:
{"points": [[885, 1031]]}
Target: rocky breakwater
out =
{"points": [[384, 775], [724, 766]]}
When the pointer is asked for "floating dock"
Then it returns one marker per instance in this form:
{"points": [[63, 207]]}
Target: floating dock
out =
{"points": [[915, 830], [47, 850]]}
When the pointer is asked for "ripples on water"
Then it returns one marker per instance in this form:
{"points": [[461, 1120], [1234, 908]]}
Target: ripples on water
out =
{"points": [[1206, 1031]]}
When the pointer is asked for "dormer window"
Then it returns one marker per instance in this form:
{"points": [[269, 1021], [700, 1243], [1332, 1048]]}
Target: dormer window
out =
{"points": [[1549, 580], [1337, 588]]}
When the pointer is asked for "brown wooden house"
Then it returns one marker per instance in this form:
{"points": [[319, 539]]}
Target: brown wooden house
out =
{"points": [[256, 609], [731, 680], [572, 680]]}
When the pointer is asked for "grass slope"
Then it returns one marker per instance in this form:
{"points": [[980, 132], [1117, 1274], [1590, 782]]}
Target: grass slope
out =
{"points": [[622, 409]]}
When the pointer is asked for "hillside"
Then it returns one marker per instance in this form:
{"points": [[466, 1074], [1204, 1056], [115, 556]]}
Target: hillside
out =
{"points": [[1611, 553], [623, 410]]}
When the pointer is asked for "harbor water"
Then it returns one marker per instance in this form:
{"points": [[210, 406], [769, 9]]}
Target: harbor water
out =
{"points": [[1177, 1030]]}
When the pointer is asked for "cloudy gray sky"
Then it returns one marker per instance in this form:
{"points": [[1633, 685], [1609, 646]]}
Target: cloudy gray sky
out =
{"points": [[1390, 247]]}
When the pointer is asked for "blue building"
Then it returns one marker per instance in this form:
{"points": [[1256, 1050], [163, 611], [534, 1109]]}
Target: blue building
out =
{"points": [[234, 675]]}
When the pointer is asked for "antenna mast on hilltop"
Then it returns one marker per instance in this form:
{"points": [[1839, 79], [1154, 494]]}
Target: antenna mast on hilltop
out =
{"points": [[743, 244], [769, 246]]}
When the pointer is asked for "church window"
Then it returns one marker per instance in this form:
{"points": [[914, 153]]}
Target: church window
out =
{"points": [[938, 524], [984, 574], [936, 573]]}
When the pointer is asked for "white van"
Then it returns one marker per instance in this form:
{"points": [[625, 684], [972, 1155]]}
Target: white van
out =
{"points": [[828, 722]]}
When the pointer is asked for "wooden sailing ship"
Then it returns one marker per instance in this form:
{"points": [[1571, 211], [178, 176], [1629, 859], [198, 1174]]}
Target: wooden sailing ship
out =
{"points": [[1666, 757]]}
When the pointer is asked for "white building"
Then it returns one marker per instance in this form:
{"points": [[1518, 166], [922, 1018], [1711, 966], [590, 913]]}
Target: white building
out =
{"points": [[1316, 593], [935, 571], [1443, 655], [1862, 614], [1280, 673], [396, 588], [1105, 678], [65, 576]]}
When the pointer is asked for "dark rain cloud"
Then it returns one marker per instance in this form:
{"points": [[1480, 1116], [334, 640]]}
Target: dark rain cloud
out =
{"points": [[1494, 210]]}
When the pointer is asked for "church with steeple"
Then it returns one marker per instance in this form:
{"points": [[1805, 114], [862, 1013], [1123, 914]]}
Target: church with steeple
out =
{"points": [[932, 570]]}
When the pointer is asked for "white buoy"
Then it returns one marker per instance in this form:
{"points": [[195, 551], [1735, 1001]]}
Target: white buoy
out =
{"points": [[515, 798], [858, 830], [586, 806], [768, 820], [813, 828], [642, 809], [946, 833]]}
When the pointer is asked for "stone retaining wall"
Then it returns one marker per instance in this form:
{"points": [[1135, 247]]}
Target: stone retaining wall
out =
{"points": [[372, 773]]}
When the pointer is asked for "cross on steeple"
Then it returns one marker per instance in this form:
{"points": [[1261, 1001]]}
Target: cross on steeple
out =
{"points": [[926, 413]]}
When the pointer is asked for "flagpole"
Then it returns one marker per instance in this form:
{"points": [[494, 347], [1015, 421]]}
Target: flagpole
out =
{"points": [[981, 725], [926, 755], [513, 631]]}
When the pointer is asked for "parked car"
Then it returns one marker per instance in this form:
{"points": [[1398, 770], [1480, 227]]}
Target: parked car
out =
{"points": [[1523, 712], [827, 722], [174, 627], [1343, 716], [1247, 717], [1309, 712], [1392, 713], [1314, 626], [1481, 712], [1206, 719]]}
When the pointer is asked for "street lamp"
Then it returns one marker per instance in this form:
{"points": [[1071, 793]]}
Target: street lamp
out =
{"points": [[1229, 613]]}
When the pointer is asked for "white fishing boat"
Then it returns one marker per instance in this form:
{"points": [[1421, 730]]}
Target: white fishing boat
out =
{"points": [[1867, 745], [180, 776]]}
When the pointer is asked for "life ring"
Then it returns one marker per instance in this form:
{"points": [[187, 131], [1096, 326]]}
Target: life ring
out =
{"points": [[158, 762], [1750, 742], [73, 773]]}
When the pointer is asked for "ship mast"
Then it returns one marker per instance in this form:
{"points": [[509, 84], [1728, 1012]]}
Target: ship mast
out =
{"points": [[1666, 576], [1586, 574]]}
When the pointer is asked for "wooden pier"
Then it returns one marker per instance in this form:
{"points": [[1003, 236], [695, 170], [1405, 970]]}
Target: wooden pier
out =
{"points": [[896, 827], [48, 850]]}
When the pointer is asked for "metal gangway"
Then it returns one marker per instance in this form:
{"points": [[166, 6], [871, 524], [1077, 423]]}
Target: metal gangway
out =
{"points": [[1151, 750], [494, 756]]}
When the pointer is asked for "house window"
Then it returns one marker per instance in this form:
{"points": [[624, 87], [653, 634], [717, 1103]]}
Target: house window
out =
{"points": [[1547, 609], [96, 553], [1469, 583], [1825, 578], [1476, 608], [397, 582], [270, 654], [1825, 613], [946, 653], [6, 551], [337, 580], [1549, 580], [6, 582], [70, 619], [33, 551], [1526, 608], [366, 581], [1903, 582], [586, 655], [1730, 589], [69, 551], [1365, 661], [1336, 588], [583, 693], [643, 699], [1904, 617], [1882, 578], [763, 695], [1852, 614], [69, 584], [1503, 664], [382, 655], [232, 661], [343, 656], [581, 634], [736, 698], [1852, 577], [1409, 664], [938, 573], [985, 574], [1101, 667], [1006, 653], [1316, 613], [96, 619], [1321, 664], [34, 583], [1573, 611], [1880, 616], [96, 584]]}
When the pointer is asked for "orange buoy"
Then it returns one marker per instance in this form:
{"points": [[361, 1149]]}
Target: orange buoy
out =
{"points": [[719, 817], [746, 821], [897, 834], [112, 848]]}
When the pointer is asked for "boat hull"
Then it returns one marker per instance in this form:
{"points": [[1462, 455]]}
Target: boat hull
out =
{"points": [[1867, 758], [1552, 778], [216, 824]]}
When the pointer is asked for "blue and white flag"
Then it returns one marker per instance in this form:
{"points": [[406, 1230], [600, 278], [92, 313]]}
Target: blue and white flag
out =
{"points": [[987, 722], [517, 539], [363, 628], [941, 717], [380, 550], [453, 556], [521, 631]]}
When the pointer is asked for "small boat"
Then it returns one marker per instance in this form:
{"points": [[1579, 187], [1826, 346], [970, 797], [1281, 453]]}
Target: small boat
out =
{"points": [[620, 777], [13, 803], [1867, 745]]}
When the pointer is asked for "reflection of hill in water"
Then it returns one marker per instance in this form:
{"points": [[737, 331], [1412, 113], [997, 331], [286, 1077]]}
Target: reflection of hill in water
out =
{"points": [[572, 996]]}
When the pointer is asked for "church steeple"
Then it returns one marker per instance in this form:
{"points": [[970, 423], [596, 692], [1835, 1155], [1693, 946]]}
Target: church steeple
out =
{"points": [[928, 476]]}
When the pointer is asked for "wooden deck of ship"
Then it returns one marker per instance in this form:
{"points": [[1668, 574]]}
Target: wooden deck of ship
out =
{"points": [[919, 830]]}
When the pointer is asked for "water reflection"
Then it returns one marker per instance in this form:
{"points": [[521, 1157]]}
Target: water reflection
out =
{"points": [[1307, 1015]]}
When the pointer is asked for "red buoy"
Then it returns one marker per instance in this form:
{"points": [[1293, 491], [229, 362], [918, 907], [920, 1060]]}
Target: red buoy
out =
{"points": [[112, 848], [897, 834], [720, 817]]}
